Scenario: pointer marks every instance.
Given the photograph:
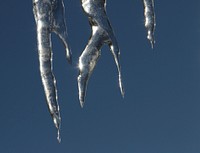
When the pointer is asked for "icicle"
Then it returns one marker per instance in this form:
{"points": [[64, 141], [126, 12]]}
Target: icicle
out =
{"points": [[102, 33], [150, 23], [50, 17]]}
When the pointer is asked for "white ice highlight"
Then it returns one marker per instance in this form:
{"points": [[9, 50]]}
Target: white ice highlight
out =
{"points": [[50, 17]]}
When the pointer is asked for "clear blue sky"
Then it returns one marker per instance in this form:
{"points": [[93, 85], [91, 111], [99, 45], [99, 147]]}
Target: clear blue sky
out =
{"points": [[161, 109]]}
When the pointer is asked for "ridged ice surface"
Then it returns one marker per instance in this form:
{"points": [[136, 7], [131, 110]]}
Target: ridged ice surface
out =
{"points": [[102, 33], [150, 23], [50, 17]]}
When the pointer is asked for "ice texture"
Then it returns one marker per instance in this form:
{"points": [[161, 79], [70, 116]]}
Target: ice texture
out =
{"points": [[50, 17], [150, 23], [102, 33]]}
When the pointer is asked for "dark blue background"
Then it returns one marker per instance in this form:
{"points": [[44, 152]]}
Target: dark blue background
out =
{"points": [[161, 109]]}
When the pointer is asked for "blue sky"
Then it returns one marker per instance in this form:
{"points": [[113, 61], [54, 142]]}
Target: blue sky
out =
{"points": [[160, 111]]}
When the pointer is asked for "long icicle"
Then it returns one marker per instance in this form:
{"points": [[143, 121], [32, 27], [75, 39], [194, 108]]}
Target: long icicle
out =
{"points": [[50, 17], [150, 23], [102, 33]]}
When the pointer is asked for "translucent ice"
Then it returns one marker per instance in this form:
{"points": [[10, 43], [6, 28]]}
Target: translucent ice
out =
{"points": [[50, 17], [102, 33], [150, 23]]}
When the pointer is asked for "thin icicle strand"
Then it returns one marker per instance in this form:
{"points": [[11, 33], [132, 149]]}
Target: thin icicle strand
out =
{"points": [[49, 17], [150, 23], [102, 33]]}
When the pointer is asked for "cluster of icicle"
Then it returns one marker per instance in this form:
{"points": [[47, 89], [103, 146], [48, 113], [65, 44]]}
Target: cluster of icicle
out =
{"points": [[50, 17]]}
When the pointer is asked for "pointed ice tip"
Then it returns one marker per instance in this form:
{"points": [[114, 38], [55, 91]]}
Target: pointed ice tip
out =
{"points": [[59, 140], [121, 86], [152, 43], [122, 92], [68, 56], [69, 60], [58, 137], [82, 104]]}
